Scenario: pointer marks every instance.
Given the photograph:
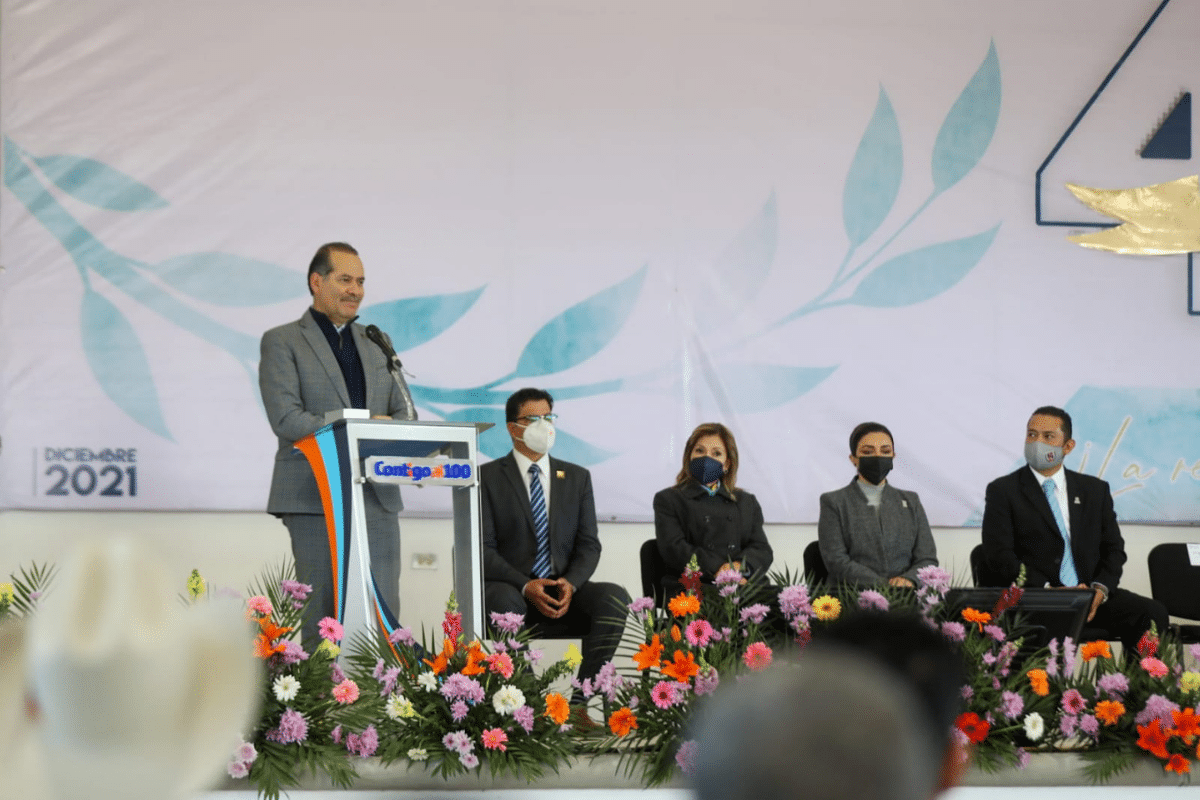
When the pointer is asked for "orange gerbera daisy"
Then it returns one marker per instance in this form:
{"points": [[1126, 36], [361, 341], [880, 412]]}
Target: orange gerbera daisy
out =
{"points": [[1039, 682], [1153, 739], [1178, 763], [649, 655], [1187, 724], [980, 618], [682, 668], [622, 721], [557, 708], [1109, 711], [683, 604], [475, 659], [1092, 650]]}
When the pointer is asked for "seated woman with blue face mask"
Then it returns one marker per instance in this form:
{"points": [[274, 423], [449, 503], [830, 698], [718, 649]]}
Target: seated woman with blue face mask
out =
{"points": [[870, 532], [704, 514]]}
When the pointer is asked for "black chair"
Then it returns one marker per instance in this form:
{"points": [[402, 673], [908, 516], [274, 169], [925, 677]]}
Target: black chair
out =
{"points": [[654, 569], [1175, 583], [814, 565]]}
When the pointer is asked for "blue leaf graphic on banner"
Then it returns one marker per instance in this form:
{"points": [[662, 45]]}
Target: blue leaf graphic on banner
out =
{"points": [[227, 280], [917, 276], [119, 363], [98, 184], [411, 321], [754, 387], [968, 128], [581, 331], [743, 267], [875, 173], [495, 441]]}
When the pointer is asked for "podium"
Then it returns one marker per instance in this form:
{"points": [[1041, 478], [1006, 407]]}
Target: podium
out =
{"points": [[349, 451]]}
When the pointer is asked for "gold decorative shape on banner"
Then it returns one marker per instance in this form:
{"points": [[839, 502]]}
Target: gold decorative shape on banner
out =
{"points": [[1160, 220]]}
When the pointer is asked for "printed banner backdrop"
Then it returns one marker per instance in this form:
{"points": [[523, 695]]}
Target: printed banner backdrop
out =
{"points": [[789, 217]]}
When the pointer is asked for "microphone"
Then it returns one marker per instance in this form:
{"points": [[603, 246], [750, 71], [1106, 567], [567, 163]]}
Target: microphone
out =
{"points": [[394, 367]]}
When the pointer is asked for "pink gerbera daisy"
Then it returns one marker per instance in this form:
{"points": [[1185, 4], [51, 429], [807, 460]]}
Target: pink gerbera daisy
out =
{"points": [[261, 605], [699, 632], [494, 739], [501, 664], [757, 656], [663, 694], [346, 692], [330, 629]]}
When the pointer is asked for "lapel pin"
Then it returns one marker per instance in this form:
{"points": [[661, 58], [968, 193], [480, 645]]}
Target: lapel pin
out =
{"points": [[560, 474], [904, 503], [1077, 502]]}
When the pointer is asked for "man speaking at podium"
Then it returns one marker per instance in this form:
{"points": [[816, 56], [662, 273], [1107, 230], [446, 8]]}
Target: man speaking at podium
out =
{"points": [[325, 362]]}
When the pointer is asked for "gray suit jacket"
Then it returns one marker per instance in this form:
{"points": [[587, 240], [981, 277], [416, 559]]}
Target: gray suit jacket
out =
{"points": [[509, 543], [300, 380], [860, 546]]}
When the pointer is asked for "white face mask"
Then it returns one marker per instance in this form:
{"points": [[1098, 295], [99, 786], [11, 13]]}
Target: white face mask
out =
{"points": [[539, 436]]}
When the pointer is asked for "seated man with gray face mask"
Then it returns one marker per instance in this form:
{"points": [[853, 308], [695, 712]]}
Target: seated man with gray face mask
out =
{"points": [[870, 532], [540, 539]]}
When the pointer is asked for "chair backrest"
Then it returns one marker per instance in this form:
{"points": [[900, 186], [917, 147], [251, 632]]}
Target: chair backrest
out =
{"points": [[654, 569], [981, 572], [814, 565], [1174, 582]]}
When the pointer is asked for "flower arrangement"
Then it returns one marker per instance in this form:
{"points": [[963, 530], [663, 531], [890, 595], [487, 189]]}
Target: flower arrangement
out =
{"points": [[464, 704], [311, 718]]}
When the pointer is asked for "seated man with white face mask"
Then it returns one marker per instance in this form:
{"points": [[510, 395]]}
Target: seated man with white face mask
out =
{"points": [[540, 540]]}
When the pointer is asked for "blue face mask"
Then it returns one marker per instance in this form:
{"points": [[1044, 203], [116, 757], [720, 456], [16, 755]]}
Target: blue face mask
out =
{"points": [[706, 470]]}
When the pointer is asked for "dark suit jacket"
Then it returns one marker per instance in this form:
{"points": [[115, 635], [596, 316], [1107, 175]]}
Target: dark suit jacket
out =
{"points": [[1019, 528], [509, 542], [300, 380]]}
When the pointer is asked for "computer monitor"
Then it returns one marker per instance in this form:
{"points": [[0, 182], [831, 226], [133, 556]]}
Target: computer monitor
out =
{"points": [[1045, 614]]}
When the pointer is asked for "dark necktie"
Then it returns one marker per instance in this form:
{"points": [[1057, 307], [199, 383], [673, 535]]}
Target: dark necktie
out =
{"points": [[541, 523]]}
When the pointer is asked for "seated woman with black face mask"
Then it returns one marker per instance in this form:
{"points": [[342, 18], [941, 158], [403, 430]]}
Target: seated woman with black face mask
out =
{"points": [[704, 514], [870, 532]]}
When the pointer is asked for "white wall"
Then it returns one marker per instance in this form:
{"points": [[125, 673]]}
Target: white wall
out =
{"points": [[230, 549]]}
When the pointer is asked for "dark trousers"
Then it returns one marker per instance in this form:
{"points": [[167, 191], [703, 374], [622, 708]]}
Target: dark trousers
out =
{"points": [[596, 614], [314, 566], [1127, 616]]}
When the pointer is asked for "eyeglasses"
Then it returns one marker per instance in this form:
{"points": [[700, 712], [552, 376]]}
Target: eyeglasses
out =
{"points": [[529, 419]]}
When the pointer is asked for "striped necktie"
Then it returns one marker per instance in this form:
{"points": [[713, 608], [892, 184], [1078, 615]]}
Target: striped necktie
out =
{"points": [[1066, 573], [541, 523]]}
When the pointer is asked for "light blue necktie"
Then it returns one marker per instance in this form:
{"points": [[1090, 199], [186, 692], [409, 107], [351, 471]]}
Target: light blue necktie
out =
{"points": [[1066, 572], [541, 523]]}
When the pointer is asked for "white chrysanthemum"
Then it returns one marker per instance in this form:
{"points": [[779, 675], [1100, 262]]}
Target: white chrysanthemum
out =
{"points": [[508, 699], [418, 754], [399, 706], [427, 681], [1035, 726], [286, 688]]}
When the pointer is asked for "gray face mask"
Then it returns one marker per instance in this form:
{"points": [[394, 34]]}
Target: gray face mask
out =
{"points": [[1040, 455]]}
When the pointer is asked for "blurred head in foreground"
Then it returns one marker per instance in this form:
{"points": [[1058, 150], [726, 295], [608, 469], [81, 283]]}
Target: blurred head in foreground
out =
{"points": [[842, 723]]}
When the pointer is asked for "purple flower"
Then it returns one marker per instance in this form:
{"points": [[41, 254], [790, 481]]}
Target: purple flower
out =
{"points": [[1089, 725], [458, 742], [1157, 707], [584, 687], [533, 656], [1052, 662], [995, 631], [295, 589], [469, 760], [292, 728], [336, 675], [1115, 685], [1022, 758], [642, 604], [1068, 657], [377, 673], [336, 735], [988, 658], [388, 681], [401, 636], [508, 622], [954, 631], [1073, 702], [524, 718], [458, 710], [686, 756], [363, 745], [872, 600], [793, 601], [1068, 724], [608, 682], [1012, 704], [967, 691], [238, 769], [460, 687], [755, 613], [707, 681], [245, 752], [293, 653], [1007, 651], [728, 590], [1195, 652], [728, 577], [935, 578]]}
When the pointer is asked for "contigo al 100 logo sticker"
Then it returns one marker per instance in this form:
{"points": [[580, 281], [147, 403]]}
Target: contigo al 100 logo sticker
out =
{"points": [[435, 471], [83, 472]]}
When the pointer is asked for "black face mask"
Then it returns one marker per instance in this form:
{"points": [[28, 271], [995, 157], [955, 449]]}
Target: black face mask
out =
{"points": [[874, 468], [706, 470]]}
